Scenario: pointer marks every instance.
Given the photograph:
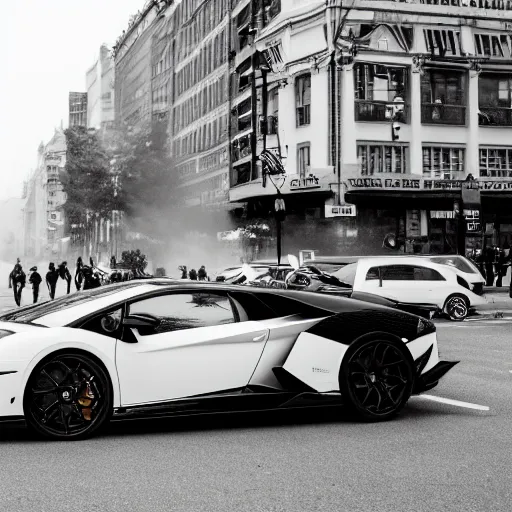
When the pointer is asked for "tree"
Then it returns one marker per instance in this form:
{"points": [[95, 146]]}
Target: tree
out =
{"points": [[86, 179], [134, 260]]}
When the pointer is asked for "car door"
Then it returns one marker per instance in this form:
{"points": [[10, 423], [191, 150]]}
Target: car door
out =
{"points": [[196, 346]]}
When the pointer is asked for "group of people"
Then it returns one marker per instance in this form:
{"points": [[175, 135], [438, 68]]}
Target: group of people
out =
{"points": [[85, 277], [193, 275], [493, 262]]}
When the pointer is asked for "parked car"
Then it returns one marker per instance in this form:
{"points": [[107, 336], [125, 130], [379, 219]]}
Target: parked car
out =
{"points": [[310, 278], [154, 348], [274, 278], [252, 272], [465, 268], [413, 280]]}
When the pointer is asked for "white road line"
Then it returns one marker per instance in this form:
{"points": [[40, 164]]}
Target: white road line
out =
{"points": [[457, 403]]}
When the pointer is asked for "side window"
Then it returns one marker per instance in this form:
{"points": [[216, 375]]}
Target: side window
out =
{"points": [[398, 273], [427, 274], [372, 274], [179, 311]]}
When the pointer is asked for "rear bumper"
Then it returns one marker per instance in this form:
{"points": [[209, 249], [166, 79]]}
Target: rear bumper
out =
{"points": [[430, 379]]}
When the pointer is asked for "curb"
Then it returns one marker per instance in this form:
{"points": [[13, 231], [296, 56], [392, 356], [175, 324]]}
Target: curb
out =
{"points": [[501, 314]]}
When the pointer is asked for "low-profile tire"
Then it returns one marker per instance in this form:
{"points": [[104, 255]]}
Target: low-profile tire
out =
{"points": [[68, 397], [456, 307], [376, 378]]}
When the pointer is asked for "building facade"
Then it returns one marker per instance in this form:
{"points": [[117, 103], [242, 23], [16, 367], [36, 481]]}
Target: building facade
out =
{"points": [[77, 109], [43, 214], [100, 91], [386, 112]]}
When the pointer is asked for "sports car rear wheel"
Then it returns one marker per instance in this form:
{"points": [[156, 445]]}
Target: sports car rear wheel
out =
{"points": [[68, 396], [457, 307], [376, 378]]}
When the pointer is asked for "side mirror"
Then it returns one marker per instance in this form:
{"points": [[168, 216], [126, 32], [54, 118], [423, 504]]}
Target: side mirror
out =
{"points": [[141, 321]]}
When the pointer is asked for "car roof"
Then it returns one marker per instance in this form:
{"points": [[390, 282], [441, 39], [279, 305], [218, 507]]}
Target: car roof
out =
{"points": [[354, 259], [70, 313], [406, 260]]}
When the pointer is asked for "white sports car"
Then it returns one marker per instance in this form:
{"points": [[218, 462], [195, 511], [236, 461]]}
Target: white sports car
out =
{"points": [[163, 348]]}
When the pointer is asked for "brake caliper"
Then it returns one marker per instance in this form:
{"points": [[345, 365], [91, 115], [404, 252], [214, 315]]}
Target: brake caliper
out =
{"points": [[85, 400]]}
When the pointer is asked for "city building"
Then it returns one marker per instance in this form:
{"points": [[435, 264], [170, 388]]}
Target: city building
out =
{"points": [[77, 109], [386, 111], [43, 214], [100, 91]]}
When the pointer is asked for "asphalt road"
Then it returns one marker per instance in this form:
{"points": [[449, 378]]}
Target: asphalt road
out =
{"points": [[434, 457]]}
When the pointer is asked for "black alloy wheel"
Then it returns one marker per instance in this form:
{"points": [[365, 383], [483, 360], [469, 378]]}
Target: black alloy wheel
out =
{"points": [[377, 378], [457, 308], [68, 397]]}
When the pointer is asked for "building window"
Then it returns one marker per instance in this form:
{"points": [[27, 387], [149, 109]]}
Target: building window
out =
{"points": [[303, 99], [442, 98], [446, 163], [380, 92], [442, 42], [495, 162], [303, 159], [495, 100], [493, 45], [375, 158]]}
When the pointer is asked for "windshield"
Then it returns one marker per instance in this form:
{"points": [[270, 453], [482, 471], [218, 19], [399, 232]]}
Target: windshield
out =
{"points": [[34, 312], [329, 268], [347, 274], [455, 261]]}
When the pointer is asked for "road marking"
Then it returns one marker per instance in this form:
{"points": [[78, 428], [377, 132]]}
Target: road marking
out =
{"points": [[457, 403]]}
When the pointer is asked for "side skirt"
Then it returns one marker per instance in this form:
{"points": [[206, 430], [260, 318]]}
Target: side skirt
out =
{"points": [[233, 403]]}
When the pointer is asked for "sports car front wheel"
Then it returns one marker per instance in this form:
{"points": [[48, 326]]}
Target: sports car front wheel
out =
{"points": [[68, 396], [376, 378]]}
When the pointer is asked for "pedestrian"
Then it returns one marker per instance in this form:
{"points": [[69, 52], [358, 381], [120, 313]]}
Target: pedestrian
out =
{"points": [[184, 273], [425, 248], [192, 275], [35, 280], [489, 266], [17, 281], [52, 277], [79, 277], [201, 274], [65, 274], [91, 278]]}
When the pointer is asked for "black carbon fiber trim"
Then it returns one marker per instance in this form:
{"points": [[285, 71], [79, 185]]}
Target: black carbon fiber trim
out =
{"points": [[347, 327], [422, 361], [430, 379], [9, 372]]}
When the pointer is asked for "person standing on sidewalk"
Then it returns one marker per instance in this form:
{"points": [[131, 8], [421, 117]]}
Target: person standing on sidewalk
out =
{"points": [[17, 281], [51, 279], [35, 280]]}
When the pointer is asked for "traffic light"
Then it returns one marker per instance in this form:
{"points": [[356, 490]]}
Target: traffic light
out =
{"points": [[395, 128]]}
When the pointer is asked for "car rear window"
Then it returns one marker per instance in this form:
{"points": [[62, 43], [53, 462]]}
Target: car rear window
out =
{"points": [[457, 262]]}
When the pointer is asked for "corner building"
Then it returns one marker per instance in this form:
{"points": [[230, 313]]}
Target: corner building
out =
{"points": [[440, 72]]}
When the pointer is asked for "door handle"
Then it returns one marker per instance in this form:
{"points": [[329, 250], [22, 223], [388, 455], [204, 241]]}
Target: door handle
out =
{"points": [[259, 338]]}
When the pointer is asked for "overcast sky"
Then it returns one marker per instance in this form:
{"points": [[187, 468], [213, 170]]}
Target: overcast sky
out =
{"points": [[46, 46]]}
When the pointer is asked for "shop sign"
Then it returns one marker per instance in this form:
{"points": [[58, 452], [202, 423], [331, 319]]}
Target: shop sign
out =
{"points": [[310, 181], [473, 224], [411, 182], [442, 214], [54, 216], [345, 210]]}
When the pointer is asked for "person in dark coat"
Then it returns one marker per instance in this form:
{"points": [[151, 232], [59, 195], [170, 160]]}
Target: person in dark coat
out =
{"points": [[489, 265], [91, 279], [65, 274], [52, 276], [192, 274], [184, 273], [201, 274], [79, 277], [17, 281], [35, 280]]}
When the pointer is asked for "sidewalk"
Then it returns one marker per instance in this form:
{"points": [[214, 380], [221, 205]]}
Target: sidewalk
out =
{"points": [[499, 304]]}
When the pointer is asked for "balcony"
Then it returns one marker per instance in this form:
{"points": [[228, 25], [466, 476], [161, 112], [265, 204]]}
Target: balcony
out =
{"points": [[495, 116], [441, 174], [380, 111], [437, 113], [268, 126]]}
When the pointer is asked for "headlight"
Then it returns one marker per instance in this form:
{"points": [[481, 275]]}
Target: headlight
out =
{"points": [[425, 327], [4, 333]]}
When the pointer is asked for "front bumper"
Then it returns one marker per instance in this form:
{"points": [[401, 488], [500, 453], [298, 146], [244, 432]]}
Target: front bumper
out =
{"points": [[430, 379]]}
